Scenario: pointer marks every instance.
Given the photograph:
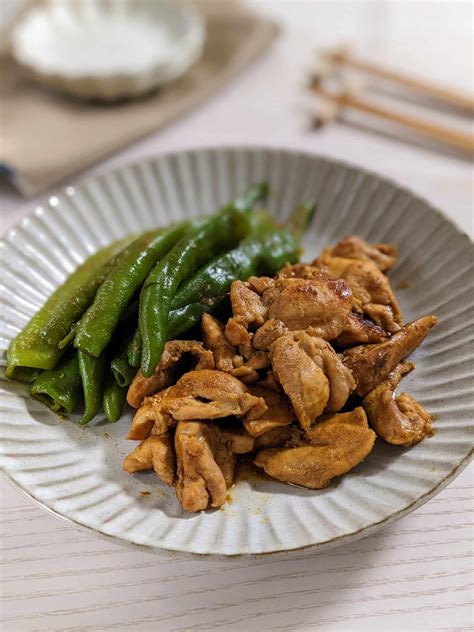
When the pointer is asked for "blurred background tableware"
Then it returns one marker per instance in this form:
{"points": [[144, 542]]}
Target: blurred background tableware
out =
{"points": [[78, 132], [345, 82], [108, 49]]}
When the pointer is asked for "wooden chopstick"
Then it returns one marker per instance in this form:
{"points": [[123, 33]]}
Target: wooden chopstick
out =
{"points": [[432, 130], [446, 95]]}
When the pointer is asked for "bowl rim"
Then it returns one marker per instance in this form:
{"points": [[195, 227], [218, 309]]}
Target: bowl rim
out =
{"points": [[64, 189], [309, 549]]}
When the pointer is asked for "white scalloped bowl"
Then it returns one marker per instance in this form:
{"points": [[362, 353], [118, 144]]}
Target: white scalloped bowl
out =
{"points": [[77, 472], [110, 49]]}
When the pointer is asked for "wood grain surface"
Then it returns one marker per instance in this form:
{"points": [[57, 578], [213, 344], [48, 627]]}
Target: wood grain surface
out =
{"points": [[416, 574]]}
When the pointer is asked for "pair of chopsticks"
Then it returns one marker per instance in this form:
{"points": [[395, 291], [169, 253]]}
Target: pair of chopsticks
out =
{"points": [[341, 99]]}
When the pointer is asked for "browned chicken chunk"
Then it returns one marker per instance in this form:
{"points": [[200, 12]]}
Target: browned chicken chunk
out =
{"points": [[150, 418], [312, 375], [303, 381], [271, 381], [155, 452], [225, 356], [268, 333], [258, 360], [204, 394], [353, 247], [255, 361], [246, 374], [320, 302], [341, 382], [260, 284], [279, 412], [278, 437], [360, 265], [206, 462], [239, 336], [399, 420], [384, 316], [333, 446], [200, 481], [230, 443], [167, 371], [299, 271], [360, 330], [226, 461], [237, 441], [210, 395], [370, 364], [370, 288], [247, 306]]}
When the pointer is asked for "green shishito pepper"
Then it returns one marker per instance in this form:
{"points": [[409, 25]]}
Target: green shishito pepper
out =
{"points": [[60, 388], [184, 318], [213, 235], [122, 370], [255, 255], [91, 370], [134, 350], [37, 345], [207, 239], [98, 324], [114, 399]]}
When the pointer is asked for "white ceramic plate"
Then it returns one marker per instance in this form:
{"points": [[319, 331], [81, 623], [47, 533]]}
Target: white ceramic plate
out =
{"points": [[77, 472]]}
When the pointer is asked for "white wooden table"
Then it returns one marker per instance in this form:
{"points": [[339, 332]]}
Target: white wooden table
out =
{"points": [[414, 575]]}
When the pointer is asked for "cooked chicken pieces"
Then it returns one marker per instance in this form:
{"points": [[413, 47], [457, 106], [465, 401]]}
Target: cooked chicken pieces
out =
{"points": [[154, 453], [225, 356], [268, 333], [167, 370], [202, 394], [303, 381], [230, 443], [247, 306], [273, 379], [150, 418], [370, 288], [341, 382], [278, 437], [320, 302], [334, 446], [210, 395], [419, 421], [299, 271], [360, 330], [279, 412], [312, 375], [243, 362], [399, 420], [353, 247], [260, 284], [370, 364], [200, 481], [206, 463]]}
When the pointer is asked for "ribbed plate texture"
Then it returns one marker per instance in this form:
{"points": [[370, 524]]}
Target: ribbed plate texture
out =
{"points": [[77, 472]]}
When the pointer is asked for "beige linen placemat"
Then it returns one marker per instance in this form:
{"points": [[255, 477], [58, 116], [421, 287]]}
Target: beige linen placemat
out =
{"points": [[45, 137]]}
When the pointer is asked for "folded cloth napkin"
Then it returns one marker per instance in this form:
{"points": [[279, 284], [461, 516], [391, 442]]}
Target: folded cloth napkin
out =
{"points": [[46, 137]]}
